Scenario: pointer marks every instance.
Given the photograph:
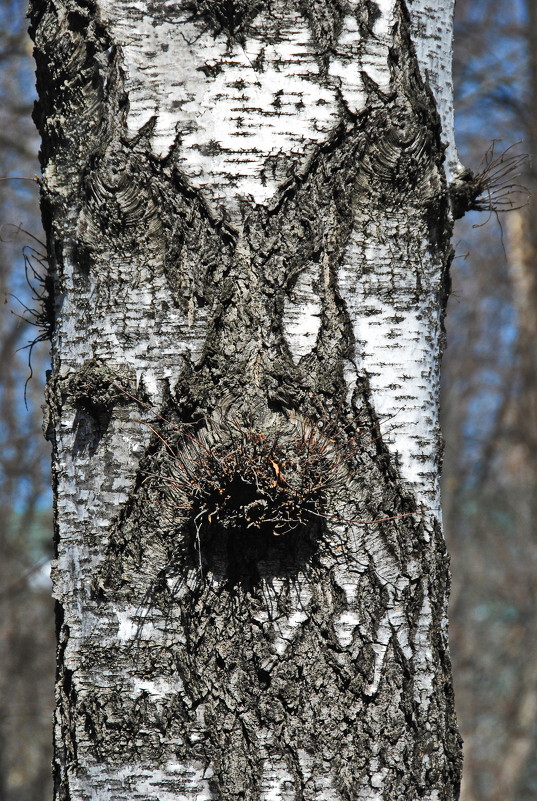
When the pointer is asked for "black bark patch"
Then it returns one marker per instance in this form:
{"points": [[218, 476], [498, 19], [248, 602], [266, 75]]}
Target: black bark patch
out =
{"points": [[95, 392], [95, 389], [324, 18], [231, 16]]}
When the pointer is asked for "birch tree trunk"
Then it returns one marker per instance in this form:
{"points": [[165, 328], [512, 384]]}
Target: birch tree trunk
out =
{"points": [[247, 207]]}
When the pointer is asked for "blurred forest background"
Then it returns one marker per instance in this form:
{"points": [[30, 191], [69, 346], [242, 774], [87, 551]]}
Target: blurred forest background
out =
{"points": [[489, 417]]}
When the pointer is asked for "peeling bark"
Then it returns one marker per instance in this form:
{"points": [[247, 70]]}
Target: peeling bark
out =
{"points": [[248, 220]]}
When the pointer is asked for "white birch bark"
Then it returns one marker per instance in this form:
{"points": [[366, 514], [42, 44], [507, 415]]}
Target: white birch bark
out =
{"points": [[248, 216]]}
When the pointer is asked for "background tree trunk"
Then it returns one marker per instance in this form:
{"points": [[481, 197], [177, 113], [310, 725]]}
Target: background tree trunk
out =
{"points": [[489, 379], [522, 263], [248, 224]]}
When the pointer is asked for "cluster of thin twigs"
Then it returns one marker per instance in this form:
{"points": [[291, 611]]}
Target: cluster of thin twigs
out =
{"points": [[237, 476], [39, 280], [37, 273], [240, 477], [496, 179]]}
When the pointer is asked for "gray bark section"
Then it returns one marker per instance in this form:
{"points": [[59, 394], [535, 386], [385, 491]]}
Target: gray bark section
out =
{"points": [[310, 664]]}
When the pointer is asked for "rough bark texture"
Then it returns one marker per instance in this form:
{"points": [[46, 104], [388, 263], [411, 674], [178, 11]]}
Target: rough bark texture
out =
{"points": [[248, 225]]}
